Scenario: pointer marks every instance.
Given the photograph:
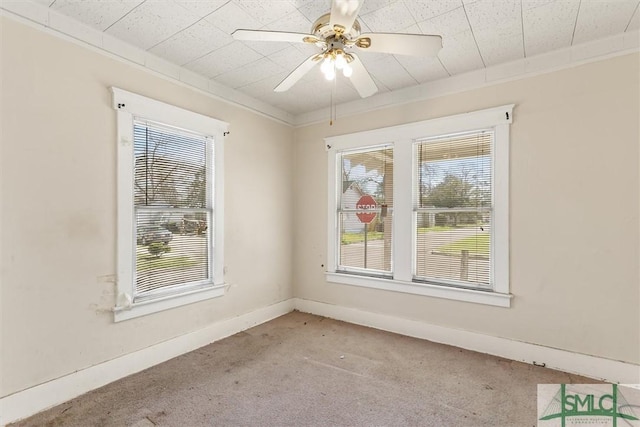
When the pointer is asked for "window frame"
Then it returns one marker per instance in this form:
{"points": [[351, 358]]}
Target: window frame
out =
{"points": [[402, 138], [130, 106]]}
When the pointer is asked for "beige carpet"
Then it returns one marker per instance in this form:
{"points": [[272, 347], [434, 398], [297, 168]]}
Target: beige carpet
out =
{"points": [[305, 370]]}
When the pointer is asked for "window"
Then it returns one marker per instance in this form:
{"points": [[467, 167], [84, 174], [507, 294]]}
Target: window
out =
{"points": [[453, 209], [170, 206], [365, 211], [422, 208]]}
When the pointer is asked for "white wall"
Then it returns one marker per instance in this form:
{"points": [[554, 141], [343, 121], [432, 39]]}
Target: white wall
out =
{"points": [[58, 218], [575, 256]]}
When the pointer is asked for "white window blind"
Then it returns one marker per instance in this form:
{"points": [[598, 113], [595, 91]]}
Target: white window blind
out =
{"points": [[365, 211], [453, 209], [173, 205]]}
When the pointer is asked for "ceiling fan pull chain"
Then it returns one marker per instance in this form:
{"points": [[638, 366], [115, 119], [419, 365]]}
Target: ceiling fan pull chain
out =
{"points": [[331, 109]]}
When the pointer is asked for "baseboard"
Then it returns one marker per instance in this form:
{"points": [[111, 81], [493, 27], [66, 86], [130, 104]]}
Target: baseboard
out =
{"points": [[38, 398], [563, 360], [35, 399]]}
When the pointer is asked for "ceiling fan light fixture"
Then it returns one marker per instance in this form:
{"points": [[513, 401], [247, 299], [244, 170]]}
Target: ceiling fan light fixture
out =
{"points": [[327, 65], [336, 59]]}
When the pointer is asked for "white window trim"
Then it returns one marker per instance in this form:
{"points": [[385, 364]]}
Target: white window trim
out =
{"points": [[129, 105], [402, 137]]}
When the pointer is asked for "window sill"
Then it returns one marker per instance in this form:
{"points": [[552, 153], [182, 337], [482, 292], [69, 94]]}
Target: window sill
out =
{"points": [[121, 313], [446, 292]]}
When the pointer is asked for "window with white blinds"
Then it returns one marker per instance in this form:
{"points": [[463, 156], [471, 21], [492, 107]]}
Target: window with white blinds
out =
{"points": [[453, 209], [170, 206], [423, 208], [173, 208], [365, 211]]}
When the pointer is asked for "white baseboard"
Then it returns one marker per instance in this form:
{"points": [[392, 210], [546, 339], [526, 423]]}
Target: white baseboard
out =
{"points": [[38, 398], [563, 360], [35, 399]]}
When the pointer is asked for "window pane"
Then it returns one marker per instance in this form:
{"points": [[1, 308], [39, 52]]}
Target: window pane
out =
{"points": [[173, 209], [170, 167], [453, 214], [460, 254], [455, 171], [365, 210], [365, 246], [172, 248]]}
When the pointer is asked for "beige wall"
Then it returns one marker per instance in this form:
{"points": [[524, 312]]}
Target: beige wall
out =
{"points": [[573, 209], [58, 223]]}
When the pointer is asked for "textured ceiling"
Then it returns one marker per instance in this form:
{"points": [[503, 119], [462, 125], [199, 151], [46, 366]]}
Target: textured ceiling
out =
{"points": [[196, 34]]}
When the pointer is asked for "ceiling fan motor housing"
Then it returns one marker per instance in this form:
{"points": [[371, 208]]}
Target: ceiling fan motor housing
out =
{"points": [[323, 29]]}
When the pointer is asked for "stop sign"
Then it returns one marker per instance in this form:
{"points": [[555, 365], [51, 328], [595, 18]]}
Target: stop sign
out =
{"points": [[366, 202]]}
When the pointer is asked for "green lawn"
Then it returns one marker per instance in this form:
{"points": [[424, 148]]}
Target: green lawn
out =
{"points": [[435, 228], [348, 238], [476, 245], [148, 262]]}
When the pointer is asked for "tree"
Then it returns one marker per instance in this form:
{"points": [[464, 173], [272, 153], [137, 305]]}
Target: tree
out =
{"points": [[155, 174], [197, 195], [162, 178], [452, 192], [429, 173]]}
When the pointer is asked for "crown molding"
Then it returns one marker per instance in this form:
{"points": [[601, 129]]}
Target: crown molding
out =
{"points": [[40, 17], [51, 22], [593, 51]]}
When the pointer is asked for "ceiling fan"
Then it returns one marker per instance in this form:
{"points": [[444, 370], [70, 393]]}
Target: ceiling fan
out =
{"points": [[337, 34]]}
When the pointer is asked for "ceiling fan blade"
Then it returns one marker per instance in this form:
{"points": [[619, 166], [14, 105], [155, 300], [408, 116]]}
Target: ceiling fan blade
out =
{"points": [[400, 44], [361, 79], [344, 13], [274, 36], [298, 73]]}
